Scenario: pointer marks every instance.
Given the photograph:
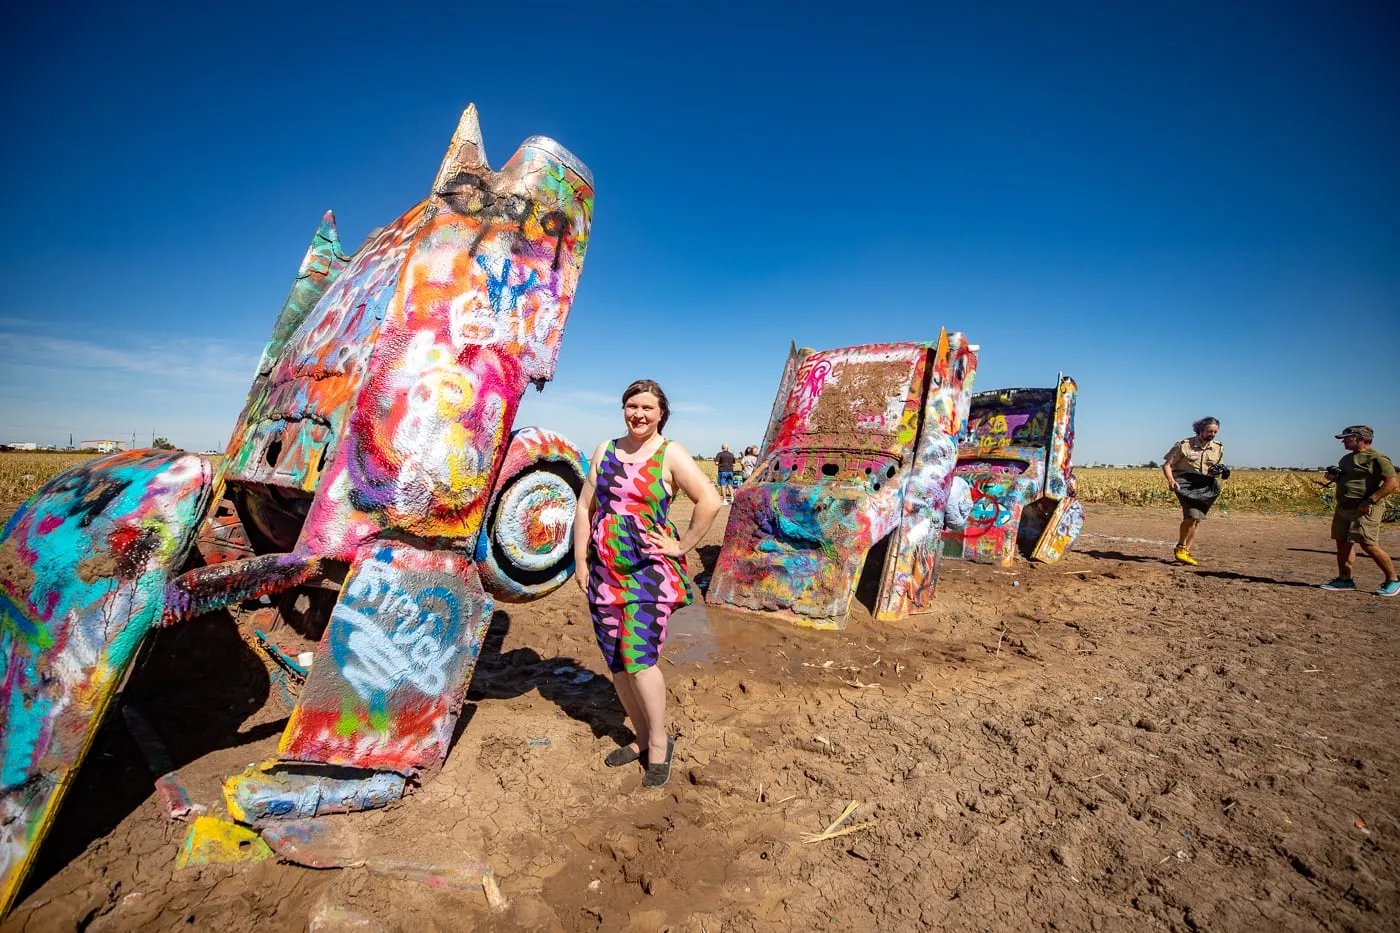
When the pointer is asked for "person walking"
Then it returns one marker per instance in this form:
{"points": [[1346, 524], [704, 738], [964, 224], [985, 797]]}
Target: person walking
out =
{"points": [[724, 467], [1364, 477], [630, 563], [1194, 467]]}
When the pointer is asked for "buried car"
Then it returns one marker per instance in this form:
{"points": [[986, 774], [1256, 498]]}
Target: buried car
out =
{"points": [[1013, 487], [373, 496], [857, 460]]}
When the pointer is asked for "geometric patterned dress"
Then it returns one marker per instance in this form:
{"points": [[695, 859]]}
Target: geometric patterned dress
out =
{"points": [[632, 589]]}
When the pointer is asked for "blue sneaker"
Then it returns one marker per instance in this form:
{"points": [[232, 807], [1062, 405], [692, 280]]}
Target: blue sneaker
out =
{"points": [[1341, 584], [1388, 588]]}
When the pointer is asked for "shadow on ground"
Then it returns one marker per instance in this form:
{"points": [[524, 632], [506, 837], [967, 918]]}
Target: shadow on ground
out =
{"points": [[1131, 558], [1251, 578], [195, 684], [563, 681]]}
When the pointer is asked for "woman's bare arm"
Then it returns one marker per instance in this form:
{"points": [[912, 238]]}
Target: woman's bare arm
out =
{"points": [[685, 475], [583, 518]]}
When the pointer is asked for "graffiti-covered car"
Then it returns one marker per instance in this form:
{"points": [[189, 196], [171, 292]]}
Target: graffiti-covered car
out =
{"points": [[857, 460], [374, 495], [1014, 484]]}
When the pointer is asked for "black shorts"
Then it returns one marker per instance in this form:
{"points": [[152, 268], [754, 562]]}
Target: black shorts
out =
{"points": [[1196, 492]]}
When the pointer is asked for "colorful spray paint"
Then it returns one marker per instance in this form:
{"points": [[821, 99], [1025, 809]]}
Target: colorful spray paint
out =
{"points": [[527, 549], [83, 569], [377, 441], [911, 566], [486, 290], [1015, 481], [392, 670], [269, 792], [859, 449]]}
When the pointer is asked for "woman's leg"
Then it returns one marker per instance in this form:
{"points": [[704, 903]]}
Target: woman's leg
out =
{"points": [[609, 623], [633, 707], [649, 688]]}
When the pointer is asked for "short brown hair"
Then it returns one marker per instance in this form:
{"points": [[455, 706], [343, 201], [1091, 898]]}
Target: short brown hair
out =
{"points": [[650, 385]]}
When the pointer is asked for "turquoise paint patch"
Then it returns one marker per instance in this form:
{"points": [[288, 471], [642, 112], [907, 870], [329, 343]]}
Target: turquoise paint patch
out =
{"points": [[24, 726], [798, 522]]}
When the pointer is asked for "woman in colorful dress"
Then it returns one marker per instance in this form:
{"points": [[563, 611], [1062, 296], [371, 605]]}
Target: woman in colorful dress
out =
{"points": [[631, 563]]}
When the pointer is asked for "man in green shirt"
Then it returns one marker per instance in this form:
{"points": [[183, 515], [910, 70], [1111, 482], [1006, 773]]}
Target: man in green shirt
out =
{"points": [[1364, 478]]}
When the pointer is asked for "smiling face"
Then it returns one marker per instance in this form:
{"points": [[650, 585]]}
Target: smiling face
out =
{"points": [[642, 412]]}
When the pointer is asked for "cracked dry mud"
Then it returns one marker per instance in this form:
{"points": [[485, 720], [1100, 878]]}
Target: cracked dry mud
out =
{"points": [[1117, 743]]}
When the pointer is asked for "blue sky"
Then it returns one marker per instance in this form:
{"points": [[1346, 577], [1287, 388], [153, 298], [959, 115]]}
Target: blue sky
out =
{"points": [[1193, 208]]}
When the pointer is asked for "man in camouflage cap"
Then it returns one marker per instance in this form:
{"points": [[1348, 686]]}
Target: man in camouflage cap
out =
{"points": [[1364, 477]]}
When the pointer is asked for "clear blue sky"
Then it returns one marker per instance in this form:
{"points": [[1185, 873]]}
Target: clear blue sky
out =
{"points": [[1193, 208]]}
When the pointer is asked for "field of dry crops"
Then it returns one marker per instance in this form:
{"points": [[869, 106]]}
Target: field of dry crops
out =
{"points": [[1293, 491], [1246, 490], [22, 473], [1297, 491]]}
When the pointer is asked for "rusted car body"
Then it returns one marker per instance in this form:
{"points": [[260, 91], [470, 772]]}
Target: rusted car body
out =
{"points": [[374, 496], [857, 460], [1014, 484]]}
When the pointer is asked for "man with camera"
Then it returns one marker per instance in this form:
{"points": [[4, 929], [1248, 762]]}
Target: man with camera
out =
{"points": [[1364, 478], [1194, 467]]}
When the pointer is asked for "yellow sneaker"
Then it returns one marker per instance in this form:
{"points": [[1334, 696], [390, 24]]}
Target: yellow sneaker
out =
{"points": [[1184, 556]]}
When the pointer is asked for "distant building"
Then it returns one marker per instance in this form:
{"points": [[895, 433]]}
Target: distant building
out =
{"points": [[102, 447], [22, 445]]}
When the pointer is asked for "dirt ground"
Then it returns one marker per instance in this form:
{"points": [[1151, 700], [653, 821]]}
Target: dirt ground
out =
{"points": [[1111, 742]]}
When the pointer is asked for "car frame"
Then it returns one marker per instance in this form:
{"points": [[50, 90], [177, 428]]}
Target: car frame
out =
{"points": [[1014, 488], [856, 466], [373, 503]]}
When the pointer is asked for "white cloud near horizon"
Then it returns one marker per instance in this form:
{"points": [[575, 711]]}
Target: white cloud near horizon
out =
{"points": [[188, 389]]}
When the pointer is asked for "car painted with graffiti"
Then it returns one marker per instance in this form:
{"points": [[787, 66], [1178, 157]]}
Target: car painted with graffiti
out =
{"points": [[856, 467], [1013, 488], [373, 495]]}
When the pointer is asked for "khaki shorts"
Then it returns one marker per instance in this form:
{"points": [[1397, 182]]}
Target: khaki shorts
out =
{"points": [[1348, 524]]}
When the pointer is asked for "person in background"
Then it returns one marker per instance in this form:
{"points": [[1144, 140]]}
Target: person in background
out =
{"points": [[749, 462], [1364, 477], [724, 466], [1191, 467], [630, 562]]}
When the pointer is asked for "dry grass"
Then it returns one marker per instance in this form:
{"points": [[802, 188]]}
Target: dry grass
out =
{"points": [[1247, 490], [21, 473], [1252, 490], [1297, 491]]}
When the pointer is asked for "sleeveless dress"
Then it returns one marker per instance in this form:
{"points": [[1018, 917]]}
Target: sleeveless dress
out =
{"points": [[632, 588]]}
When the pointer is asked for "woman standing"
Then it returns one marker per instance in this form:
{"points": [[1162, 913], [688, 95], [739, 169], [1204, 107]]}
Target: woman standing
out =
{"points": [[630, 563], [1191, 466]]}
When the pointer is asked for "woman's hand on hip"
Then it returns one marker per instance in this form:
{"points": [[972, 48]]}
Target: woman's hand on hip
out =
{"points": [[666, 544]]}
